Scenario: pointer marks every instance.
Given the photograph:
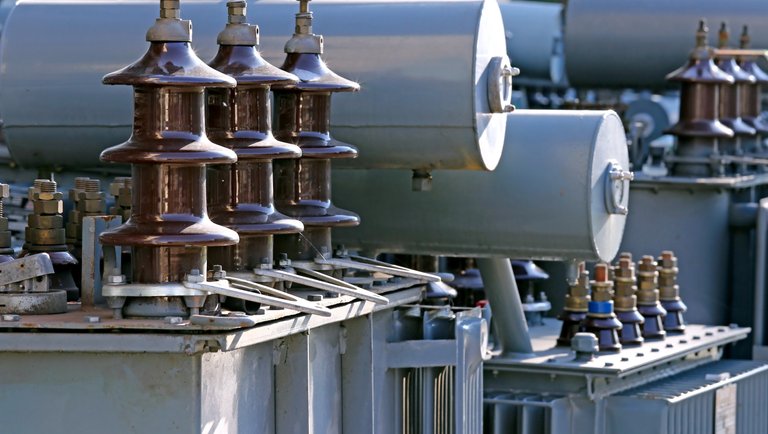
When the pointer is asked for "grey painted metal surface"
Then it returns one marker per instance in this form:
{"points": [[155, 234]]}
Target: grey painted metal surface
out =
{"points": [[534, 32], [636, 43], [547, 199], [424, 80], [309, 380], [693, 222]]}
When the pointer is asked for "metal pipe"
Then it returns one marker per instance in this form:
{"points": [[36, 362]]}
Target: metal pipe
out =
{"points": [[506, 307], [758, 330]]}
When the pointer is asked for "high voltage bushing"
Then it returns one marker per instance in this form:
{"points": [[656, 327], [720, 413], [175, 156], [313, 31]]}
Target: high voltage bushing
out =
{"points": [[240, 195], [6, 242], [169, 230], [45, 233], [601, 321], [303, 186], [751, 97], [648, 299], [730, 101], [625, 301], [669, 293], [575, 310], [699, 129]]}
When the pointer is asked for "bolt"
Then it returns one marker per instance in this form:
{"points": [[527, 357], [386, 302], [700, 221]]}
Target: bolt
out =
{"points": [[669, 346], [696, 338], [314, 297], [608, 364], [93, 186], [744, 40], [625, 359], [640, 354], [723, 35], [236, 314], [625, 255], [80, 182], [116, 279], [46, 185], [733, 325], [169, 9], [585, 345], [654, 350], [173, 320], [11, 318], [92, 319], [683, 341]]}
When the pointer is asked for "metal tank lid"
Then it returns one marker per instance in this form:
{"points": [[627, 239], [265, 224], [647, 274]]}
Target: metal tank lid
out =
{"points": [[701, 67]]}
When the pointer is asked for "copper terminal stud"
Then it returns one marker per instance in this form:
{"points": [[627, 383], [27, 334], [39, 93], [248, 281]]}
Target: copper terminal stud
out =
{"points": [[575, 311], [87, 201], [751, 98], [730, 102], [625, 301], [6, 241], [303, 186], [699, 130], [45, 233], [169, 230], [601, 321], [648, 299], [240, 195], [669, 293]]}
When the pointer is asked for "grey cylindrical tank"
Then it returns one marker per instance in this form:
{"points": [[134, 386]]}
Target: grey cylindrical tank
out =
{"points": [[551, 197], [534, 33], [425, 69], [610, 43]]}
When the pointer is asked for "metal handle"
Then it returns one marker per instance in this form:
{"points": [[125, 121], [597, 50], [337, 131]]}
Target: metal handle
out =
{"points": [[617, 189], [500, 74]]}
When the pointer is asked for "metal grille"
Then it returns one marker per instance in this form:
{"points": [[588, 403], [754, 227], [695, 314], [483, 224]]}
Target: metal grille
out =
{"points": [[440, 378], [688, 403]]}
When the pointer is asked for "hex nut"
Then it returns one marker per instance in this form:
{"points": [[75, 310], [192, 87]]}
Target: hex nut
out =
{"points": [[116, 279], [194, 278], [48, 207]]}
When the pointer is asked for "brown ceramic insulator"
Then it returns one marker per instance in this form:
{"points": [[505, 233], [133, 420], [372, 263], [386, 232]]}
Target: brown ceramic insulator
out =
{"points": [[575, 311], [303, 186], [603, 323], [169, 229], [648, 299], [730, 101], [751, 98], [699, 128], [625, 302], [669, 293], [240, 196]]}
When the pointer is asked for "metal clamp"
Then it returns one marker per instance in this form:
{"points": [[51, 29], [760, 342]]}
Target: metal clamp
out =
{"points": [[500, 73], [617, 188]]}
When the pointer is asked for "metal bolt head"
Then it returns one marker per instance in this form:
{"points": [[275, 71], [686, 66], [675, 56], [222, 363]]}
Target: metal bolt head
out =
{"points": [[314, 297], [193, 277], [584, 343], [93, 319], [11, 318], [5, 191], [173, 320], [116, 279]]}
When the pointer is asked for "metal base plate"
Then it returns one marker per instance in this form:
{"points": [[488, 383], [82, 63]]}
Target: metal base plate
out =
{"points": [[33, 303]]}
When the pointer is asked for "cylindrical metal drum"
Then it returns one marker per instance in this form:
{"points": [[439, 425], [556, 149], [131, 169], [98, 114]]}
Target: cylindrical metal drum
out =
{"points": [[559, 192], [432, 72], [534, 32], [611, 43]]}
